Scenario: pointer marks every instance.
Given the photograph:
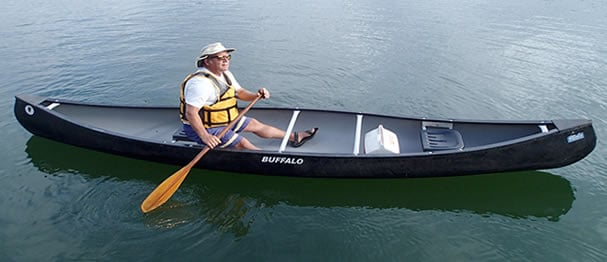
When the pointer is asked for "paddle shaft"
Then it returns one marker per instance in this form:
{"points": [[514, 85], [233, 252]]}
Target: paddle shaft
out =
{"points": [[167, 188]]}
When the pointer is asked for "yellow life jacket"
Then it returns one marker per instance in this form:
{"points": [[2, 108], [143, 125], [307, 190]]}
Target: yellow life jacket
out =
{"points": [[222, 112]]}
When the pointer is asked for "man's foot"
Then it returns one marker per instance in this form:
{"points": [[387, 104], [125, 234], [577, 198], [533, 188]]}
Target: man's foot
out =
{"points": [[300, 138]]}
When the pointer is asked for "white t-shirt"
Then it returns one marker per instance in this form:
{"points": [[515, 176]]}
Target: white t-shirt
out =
{"points": [[200, 91]]}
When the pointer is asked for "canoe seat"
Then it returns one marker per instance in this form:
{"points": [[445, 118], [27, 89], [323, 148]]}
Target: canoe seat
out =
{"points": [[437, 138], [180, 135]]}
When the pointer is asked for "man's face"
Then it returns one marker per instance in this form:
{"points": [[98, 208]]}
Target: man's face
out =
{"points": [[219, 62]]}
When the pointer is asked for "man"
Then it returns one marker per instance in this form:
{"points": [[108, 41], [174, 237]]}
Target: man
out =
{"points": [[208, 103]]}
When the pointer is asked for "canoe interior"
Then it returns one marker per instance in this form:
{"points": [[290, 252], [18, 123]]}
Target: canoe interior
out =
{"points": [[337, 133]]}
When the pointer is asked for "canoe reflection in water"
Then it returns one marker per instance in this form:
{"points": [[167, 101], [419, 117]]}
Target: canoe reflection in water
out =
{"points": [[226, 199]]}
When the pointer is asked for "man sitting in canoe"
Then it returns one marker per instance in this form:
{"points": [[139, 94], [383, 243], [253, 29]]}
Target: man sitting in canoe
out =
{"points": [[208, 104]]}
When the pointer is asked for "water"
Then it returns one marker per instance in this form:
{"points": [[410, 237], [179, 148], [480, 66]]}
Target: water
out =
{"points": [[466, 59]]}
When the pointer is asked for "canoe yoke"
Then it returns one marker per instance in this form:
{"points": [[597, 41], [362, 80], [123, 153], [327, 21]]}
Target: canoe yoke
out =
{"points": [[440, 136]]}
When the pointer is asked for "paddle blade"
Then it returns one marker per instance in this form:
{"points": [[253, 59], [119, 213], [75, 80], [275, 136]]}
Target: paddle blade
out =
{"points": [[165, 190]]}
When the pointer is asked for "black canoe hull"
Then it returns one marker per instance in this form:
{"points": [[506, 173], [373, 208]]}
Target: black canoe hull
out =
{"points": [[567, 142]]}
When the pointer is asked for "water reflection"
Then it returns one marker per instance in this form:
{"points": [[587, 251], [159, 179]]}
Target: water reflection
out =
{"points": [[516, 195], [230, 201]]}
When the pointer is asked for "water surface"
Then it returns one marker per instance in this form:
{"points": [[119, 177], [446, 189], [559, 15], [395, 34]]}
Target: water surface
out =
{"points": [[464, 60]]}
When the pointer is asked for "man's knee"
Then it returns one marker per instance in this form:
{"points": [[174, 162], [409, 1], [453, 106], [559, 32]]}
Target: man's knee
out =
{"points": [[254, 125], [255, 122]]}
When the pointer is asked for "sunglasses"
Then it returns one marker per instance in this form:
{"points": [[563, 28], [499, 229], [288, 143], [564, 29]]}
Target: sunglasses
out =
{"points": [[227, 57]]}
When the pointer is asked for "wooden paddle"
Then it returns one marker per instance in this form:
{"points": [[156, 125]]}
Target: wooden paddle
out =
{"points": [[167, 188]]}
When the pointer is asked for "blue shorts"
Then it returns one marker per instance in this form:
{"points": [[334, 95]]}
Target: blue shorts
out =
{"points": [[229, 140]]}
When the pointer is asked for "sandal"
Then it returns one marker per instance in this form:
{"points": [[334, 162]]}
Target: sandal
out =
{"points": [[297, 142]]}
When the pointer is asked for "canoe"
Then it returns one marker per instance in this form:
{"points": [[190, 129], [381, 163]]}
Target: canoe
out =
{"points": [[347, 145]]}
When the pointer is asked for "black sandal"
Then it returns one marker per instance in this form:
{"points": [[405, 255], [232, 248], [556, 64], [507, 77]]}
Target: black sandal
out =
{"points": [[297, 143]]}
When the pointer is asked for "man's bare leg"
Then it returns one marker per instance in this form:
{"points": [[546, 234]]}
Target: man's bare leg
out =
{"points": [[267, 131], [246, 144]]}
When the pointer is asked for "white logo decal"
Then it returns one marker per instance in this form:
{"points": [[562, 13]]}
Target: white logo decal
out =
{"points": [[575, 137], [282, 160]]}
